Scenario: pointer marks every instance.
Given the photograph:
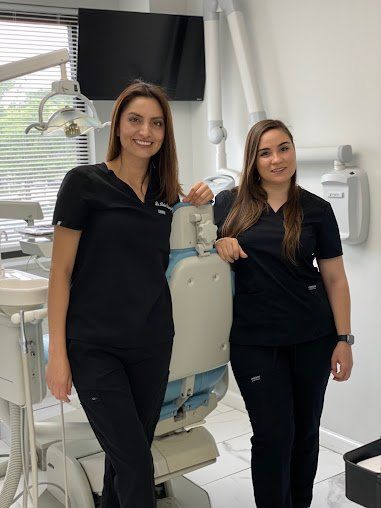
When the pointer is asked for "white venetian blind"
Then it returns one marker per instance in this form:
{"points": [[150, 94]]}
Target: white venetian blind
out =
{"points": [[32, 166]]}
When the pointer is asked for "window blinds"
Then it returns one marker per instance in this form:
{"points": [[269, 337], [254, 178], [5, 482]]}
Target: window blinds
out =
{"points": [[32, 166]]}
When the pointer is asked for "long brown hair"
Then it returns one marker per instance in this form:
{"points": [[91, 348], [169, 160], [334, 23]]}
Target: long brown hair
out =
{"points": [[165, 160], [251, 197]]}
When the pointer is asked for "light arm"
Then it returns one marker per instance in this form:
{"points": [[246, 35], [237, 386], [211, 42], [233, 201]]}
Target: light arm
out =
{"points": [[216, 131], [34, 64], [72, 121], [242, 50]]}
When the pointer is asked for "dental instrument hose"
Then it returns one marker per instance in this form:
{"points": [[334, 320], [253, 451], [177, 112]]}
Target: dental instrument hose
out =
{"points": [[14, 470]]}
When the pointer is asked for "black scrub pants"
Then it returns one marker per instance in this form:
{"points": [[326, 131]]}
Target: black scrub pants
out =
{"points": [[121, 391], [283, 389]]}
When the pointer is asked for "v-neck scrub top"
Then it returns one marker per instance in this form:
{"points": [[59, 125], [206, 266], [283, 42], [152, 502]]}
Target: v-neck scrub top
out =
{"points": [[119, 294], [277, 302]]}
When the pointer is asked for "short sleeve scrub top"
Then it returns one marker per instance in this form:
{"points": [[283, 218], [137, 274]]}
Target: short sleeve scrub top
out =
{"points": [[119, 294], [276, 302]]}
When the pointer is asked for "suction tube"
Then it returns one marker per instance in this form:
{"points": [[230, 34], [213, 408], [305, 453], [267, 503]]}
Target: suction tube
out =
{"points": [[14, 470]]}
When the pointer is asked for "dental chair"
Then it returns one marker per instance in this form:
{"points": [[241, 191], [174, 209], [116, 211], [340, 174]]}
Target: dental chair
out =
{"points": [[201, 288]]}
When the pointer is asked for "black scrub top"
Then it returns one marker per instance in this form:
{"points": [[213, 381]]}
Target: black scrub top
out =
{"points": [[119, 294], [278, 303]]}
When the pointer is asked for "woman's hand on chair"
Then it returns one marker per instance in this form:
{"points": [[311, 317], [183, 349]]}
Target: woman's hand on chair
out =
{"points": [[200, 194], [229, 249]]}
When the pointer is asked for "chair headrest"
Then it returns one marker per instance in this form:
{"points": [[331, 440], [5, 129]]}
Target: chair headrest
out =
{"points": [[191, 226]]}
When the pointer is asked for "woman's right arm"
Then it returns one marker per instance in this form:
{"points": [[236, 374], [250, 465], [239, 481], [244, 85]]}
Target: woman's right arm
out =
{"points": [[229, 249], [58, 374]]}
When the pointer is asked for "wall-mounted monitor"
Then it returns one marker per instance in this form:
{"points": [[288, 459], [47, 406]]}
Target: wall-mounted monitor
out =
{"points": [[116, 47]]}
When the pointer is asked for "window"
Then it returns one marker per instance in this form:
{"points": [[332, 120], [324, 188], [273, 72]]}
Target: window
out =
{"points": [[32, 166]]}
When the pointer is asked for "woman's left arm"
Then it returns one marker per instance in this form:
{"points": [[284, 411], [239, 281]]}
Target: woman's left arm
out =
{"points": [[200, 194], [336, 284]]}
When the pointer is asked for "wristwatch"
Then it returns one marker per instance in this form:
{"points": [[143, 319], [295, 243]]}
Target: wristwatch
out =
{"points": [[348, 338]]}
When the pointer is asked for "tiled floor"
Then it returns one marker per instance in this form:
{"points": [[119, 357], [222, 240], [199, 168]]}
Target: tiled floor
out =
{"points": [[228, 481]]}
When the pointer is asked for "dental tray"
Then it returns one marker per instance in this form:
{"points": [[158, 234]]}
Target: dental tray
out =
{"points": [[37, 230]]}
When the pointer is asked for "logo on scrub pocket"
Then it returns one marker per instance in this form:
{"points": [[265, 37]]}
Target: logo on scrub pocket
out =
{"points": [[255, 378], [162, 205]]}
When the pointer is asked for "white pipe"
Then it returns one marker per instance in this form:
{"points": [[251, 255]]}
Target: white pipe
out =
{"points": [[221, 155], [216, 131], [30, 316], [212, 64], [249, 83], [33, 64], [64, 456], [29, 411], [342, 153]]}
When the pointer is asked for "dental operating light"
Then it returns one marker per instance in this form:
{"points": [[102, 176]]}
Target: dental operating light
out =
{"points": [[68, 120]]}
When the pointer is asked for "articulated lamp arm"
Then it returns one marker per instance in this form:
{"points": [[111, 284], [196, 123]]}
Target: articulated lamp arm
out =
{"points": [[216, 131], [34, 64], [73, 121]]}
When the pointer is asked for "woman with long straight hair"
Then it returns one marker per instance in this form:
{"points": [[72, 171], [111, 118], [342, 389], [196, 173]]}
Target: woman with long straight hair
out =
{"points": [[110, 313], [291, 320]]}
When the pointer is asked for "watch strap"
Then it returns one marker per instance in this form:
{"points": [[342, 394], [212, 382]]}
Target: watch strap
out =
{"points": [[348, 338]]}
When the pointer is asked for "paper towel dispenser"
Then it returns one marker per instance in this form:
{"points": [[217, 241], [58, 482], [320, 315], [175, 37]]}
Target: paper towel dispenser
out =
{"points": [[347, 190]]}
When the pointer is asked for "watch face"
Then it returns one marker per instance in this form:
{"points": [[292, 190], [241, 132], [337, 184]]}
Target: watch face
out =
{"points": [[349, 338]]}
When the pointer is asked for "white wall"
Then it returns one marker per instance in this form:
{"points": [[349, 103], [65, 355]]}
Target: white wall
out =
{"points": [[317, 71]]}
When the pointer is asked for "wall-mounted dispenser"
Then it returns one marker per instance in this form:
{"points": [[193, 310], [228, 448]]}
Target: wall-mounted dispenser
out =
{"points": [[347, 189]]}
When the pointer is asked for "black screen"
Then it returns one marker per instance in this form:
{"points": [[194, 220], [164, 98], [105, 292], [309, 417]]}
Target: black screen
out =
{"points": [[116, 47]]}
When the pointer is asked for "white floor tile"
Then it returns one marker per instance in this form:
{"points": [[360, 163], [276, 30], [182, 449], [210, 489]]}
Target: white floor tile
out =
{"points": [[50, 411], [235, 491], [223, 408], [330, 464], [331, 494], [227, 425]]}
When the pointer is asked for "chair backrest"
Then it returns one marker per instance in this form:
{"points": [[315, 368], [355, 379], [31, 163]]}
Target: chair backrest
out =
{"points": [[201, 289]]}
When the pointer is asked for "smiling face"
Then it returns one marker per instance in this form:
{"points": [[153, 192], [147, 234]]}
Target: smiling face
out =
{"points": [[141, 128], [276, 159]]}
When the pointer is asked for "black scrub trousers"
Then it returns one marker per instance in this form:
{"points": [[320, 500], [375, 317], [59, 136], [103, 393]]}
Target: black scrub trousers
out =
{"points": [[119, 325], [282, 339]]}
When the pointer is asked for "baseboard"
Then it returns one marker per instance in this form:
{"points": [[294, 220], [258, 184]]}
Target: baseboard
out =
{"points": [[329, 439], [336, 442]]}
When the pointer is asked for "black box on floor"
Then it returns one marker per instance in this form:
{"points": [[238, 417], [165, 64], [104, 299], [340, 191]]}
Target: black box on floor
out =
{"points": [[363, 486]]}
